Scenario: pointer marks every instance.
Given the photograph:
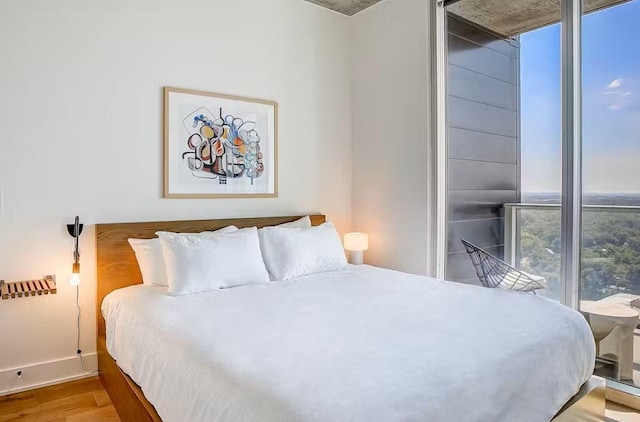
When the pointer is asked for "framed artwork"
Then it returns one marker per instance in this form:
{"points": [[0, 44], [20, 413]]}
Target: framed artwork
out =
{"points": [[219, 146]]}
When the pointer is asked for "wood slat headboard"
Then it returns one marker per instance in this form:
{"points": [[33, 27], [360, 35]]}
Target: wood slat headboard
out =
{"points": [[116, 262]]}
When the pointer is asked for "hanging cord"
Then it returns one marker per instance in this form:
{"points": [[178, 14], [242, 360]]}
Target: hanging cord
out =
{"points": [[79, 351], [75, 230]]}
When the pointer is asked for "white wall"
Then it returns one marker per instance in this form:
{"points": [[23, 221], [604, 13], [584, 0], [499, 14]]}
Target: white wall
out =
{"points": [[80, 133], [390, 97]]}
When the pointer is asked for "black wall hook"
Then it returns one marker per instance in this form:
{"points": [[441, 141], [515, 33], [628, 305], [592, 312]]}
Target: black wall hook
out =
{"points": [[75, 230]]}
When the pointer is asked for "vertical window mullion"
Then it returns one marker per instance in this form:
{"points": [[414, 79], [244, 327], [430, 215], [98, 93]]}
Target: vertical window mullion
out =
{"points": [[571, 226]]}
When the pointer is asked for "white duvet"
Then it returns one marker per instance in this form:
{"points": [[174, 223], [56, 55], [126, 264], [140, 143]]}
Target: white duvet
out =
{"points": [[363, 344]]}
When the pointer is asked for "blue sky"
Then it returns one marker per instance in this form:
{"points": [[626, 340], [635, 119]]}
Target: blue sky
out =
{"points": [[611, 103]]}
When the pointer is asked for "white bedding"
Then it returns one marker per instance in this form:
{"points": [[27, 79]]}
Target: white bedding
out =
{"points": [[363, 344]]}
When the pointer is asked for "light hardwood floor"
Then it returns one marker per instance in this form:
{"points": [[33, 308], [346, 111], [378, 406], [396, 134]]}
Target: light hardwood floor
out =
{"points": [[77, 401], [87, 401], [621, 413]]}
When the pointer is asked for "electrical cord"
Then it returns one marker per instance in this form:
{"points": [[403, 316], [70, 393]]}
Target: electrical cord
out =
{"points": [[79, 351]]}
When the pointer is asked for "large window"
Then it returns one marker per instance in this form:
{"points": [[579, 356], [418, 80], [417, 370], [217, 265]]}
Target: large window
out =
{"points": [[611, 152], [571, 208], [611, 181], [610, 255]]}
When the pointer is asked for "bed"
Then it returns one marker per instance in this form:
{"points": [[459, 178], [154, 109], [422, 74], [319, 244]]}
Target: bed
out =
{"points": [[359, 344]]}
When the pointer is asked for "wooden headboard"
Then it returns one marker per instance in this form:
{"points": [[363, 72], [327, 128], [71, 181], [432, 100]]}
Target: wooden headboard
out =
{"points": [[116, 262]]}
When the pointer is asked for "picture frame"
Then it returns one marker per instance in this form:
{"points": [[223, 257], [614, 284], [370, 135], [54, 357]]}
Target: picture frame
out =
{"points": [[219, 145]]}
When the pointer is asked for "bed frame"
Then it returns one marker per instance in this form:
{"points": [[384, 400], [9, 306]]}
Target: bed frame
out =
{"points": [[117, 268]]}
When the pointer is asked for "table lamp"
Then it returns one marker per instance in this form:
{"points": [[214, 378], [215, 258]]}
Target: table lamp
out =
{"points": [[356, 243]]}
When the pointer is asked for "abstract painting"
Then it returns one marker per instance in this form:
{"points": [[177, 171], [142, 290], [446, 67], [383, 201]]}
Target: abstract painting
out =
{"points": [[219, 145]]}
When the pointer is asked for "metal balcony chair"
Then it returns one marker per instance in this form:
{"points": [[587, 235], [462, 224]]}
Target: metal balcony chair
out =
{"points": [[495, 273]]}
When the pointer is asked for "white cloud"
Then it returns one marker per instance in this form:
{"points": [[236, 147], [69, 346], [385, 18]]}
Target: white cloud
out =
{"points": [[616, 83], [614, 96]]}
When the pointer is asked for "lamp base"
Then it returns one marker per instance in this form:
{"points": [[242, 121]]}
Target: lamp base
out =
{"points": [[356, 257]]}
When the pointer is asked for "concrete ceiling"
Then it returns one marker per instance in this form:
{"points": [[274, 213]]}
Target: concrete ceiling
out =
{"points": [[515, 17], [347, 7]]}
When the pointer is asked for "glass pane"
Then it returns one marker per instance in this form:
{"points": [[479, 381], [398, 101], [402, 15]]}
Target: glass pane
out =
{"points": [[504, 136], [540, 156], [611, 185], [482, 129], [540, 246]]}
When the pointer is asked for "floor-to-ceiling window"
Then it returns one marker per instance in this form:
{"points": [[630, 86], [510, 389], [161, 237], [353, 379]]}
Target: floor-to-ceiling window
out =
{"points": [[610, 256], [611, 185], [482, 130], [575, 213], [504, 103]]}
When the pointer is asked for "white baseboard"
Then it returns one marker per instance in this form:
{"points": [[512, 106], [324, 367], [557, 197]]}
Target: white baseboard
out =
{"points": [[46, 373]]}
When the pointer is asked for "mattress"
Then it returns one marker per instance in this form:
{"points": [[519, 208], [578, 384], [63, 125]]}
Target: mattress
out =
{"points": [[362, 344]]}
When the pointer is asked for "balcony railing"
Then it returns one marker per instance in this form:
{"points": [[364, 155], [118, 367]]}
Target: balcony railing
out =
{"points": [[610, 253]]}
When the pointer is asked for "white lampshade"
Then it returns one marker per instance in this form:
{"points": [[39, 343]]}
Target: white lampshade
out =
{"points": [[356, 241]]}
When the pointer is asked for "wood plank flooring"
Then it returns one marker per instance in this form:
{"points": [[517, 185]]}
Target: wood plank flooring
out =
{"points": [[87, 401], [77, 401], [619, 413]]}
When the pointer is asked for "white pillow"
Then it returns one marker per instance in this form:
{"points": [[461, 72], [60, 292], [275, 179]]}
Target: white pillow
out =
{"points": [[149, 256], [290, 253], [202, 263], [302, 223]]}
